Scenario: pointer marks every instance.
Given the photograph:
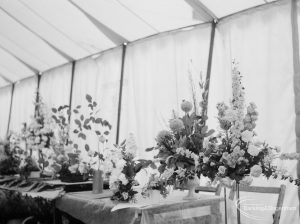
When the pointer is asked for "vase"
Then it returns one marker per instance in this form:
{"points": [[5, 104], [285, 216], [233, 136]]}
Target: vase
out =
{"points": [[191, 185], [98, 182]]}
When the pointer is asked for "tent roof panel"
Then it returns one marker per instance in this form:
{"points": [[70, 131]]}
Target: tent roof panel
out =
{"points": [[43, 34]]}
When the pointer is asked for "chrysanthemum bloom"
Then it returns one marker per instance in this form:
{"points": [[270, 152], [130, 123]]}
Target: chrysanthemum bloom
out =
{"points": [[176, 125], [256, 171], [163, 136], [186, 106]]}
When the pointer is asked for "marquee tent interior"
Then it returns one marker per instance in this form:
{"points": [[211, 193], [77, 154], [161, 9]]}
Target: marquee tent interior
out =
{"points": [[136, 58]]}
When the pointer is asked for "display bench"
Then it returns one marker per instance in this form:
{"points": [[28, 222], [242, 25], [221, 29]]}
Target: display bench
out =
{"points": [[92, 209]]}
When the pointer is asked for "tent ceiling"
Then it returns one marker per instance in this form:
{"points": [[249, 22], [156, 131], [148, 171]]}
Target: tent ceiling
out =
{"points": [[36, 35]]}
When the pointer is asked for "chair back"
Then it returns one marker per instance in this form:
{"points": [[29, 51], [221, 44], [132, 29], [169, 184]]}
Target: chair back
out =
{"points": [[265, 190]]}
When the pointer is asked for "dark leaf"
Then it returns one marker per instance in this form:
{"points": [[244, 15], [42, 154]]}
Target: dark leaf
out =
{"points": [[98, 133], [68, 112], [78, 107], [87, 147], [54, 110], [94, 103], [98, 121], [81, 117], [88, 98], [75, 131], [149, 149], [78, 122], [106, 132], [75, 146], [81, 135], [75, 111]]}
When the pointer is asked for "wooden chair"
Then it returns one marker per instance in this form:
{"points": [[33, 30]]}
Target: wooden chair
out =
{"points": [[265, 190]]}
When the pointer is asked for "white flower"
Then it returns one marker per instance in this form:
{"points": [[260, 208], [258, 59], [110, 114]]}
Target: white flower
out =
{"points": [[181, 172], [205, 143], [73, 168], [205, 159], [247, 136], [222, 170], [131, 147], [253, 150], [256, 171], [82, 168], [123, 179], [125, 195], [120, 164]]}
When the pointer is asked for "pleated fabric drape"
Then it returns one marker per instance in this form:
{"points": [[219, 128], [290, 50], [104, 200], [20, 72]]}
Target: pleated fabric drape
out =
{"points": [[23, 103], [5, 100]]}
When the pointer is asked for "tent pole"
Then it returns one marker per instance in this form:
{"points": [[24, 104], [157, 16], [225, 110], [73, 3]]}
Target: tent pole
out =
{"points": [[71, 89], [10, 107], [121, 92], [37, 97], [209, 65], [296, 65]]}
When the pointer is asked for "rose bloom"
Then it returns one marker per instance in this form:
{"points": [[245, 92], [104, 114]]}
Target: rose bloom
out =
{"points": [[256, 171], [176, 125], [186, 106]]}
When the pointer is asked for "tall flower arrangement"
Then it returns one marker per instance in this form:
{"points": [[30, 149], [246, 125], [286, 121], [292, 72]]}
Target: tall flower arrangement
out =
{"points": [[236, 152], [180, 146]]}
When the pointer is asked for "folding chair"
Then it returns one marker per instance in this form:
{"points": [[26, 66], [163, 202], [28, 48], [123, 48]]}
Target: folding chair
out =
{"points": [[265, 190]]}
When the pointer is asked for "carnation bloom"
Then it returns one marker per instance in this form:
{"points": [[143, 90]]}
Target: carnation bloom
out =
{"points": [[162, 136], [222, 170], [176, 125], [256, 171], [186, 106]]}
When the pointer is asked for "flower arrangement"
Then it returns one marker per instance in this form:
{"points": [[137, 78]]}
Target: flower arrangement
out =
{"points": [[236, 152], [180, 146], [9, 163], [39, 133], [124, 168]]}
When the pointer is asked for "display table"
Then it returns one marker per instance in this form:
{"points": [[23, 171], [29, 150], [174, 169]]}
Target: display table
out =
{"points": [[92, 209], [45, 188]]}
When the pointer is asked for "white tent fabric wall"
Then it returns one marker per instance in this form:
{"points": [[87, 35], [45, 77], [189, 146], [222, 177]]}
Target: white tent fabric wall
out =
{"points": [[156, 80], [5, 99], [99, 77], [55, 86], [261, 42], [23, 103], [108, 86]]}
